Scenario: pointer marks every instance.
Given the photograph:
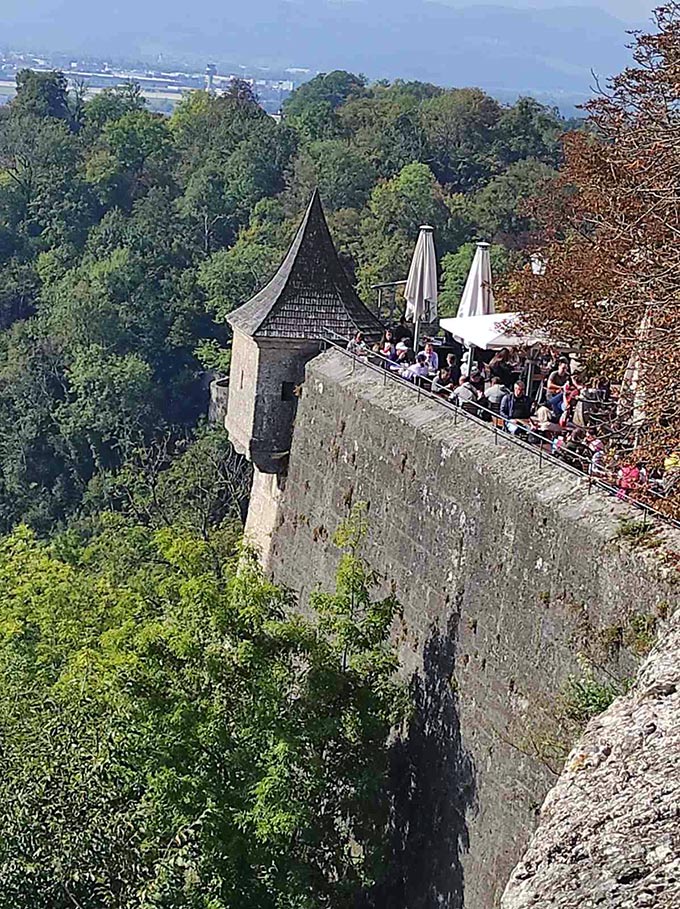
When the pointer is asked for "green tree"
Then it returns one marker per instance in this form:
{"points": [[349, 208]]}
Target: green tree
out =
{"points": [[501, 207], [529, 129], [134, 153], [385, 126], [46, 199], [343, 176], [460, 129], [332, 89], [173, 735], [111, 104], [41, 94], [230, 277], [396, 210]]}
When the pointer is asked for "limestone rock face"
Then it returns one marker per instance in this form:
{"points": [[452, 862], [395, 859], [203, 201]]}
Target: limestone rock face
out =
{"points": [[609, 834]]}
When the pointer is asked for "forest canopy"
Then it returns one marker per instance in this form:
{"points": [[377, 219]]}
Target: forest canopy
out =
{"points": [[127, 237]]}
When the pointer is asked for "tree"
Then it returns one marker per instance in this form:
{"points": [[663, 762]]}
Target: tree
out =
{"points": [[232, 276], [110, 105], [242, 92], [528, 129], [173, 735], [343, 176], [131, 154], [196, 483], [460, 126], [501, 208], [396, 210], [41, 94], [385, 126], [49, 202], [608, 234], [333, 89]]}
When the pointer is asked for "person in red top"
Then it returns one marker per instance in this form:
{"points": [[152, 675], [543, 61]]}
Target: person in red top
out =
{"points": [[631, 478]]}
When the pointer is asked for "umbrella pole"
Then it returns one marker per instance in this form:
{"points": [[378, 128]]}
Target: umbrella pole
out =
{"points": [[416, 332]]}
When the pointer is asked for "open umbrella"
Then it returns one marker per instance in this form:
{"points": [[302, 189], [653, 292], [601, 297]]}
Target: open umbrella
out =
{"points": [[491, 332], [477, 299], [421, 285]]}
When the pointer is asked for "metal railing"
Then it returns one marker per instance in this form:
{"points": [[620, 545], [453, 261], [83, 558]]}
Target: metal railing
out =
{"points": [[382, 365]]}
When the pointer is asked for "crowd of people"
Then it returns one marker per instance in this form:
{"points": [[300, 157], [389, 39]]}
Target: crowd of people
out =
{"points": [[542, 396]]}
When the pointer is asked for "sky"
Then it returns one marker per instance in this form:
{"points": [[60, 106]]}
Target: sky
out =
{"points": [[546, 48], [632, 10]]}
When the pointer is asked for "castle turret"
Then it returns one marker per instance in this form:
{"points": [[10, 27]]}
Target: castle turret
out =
{"points": [[278, 331]]}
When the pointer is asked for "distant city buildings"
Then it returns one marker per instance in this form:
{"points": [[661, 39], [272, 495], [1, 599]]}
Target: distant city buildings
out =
{"points": [[162, 89]]}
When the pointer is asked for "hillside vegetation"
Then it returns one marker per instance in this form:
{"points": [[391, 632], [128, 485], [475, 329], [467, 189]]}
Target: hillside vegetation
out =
{"points": [[126, 238]]}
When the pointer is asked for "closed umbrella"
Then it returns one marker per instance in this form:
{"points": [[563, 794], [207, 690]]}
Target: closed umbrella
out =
{"points": [[631, 406], [477, 299], [421, 285]]}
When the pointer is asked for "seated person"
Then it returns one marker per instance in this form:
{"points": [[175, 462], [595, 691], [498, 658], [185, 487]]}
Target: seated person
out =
{"points": [[432, 357], [555, 387], [477, 380], [404, 346], [544, 419], [401, 331], [544, 425], [357, 345], [453, 368], [417, 370], [464, 393], [388, 346], [516, 407], [442, 382], [496, 393]]}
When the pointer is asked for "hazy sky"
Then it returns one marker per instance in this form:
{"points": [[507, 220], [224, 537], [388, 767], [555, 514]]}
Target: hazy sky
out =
{"points": [[623, 9]]}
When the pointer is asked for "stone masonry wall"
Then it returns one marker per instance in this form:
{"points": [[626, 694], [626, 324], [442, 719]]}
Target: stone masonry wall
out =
{"points": [[506, 575]]}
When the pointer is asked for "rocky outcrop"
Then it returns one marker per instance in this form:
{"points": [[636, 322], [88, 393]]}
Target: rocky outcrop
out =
{"points": [[609, 834]]}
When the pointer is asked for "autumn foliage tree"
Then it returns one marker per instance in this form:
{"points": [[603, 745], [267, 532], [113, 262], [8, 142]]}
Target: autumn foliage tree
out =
{"points": [[610, 229]]}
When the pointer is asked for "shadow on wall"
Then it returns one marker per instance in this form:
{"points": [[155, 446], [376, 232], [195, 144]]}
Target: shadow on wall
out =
{"points": [[433, 784]]}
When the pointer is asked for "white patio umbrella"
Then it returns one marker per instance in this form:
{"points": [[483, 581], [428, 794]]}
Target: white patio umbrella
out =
{"points": [[631, 405], [491, 332], [421, 284], [477, 299]]}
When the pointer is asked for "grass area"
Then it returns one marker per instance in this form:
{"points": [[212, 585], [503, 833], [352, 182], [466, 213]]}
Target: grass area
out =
{"points": [[638, 533], [583, 698]]}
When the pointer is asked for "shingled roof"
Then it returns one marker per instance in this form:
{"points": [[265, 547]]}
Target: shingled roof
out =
{"points": [[309, 294]]}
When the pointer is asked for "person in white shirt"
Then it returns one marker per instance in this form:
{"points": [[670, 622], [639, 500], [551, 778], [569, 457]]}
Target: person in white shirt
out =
{"points": [[417, 370], [496, 393], [464, 393]]}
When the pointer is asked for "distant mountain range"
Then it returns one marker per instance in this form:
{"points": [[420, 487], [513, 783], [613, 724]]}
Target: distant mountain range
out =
{"points": [[505, 50]]}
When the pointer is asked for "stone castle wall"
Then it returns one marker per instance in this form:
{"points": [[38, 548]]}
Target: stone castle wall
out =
{"points": [[506, 575]]}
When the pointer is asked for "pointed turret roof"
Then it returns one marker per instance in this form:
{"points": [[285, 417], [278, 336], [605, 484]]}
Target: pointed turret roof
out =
{"points": [[309, 294]]}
